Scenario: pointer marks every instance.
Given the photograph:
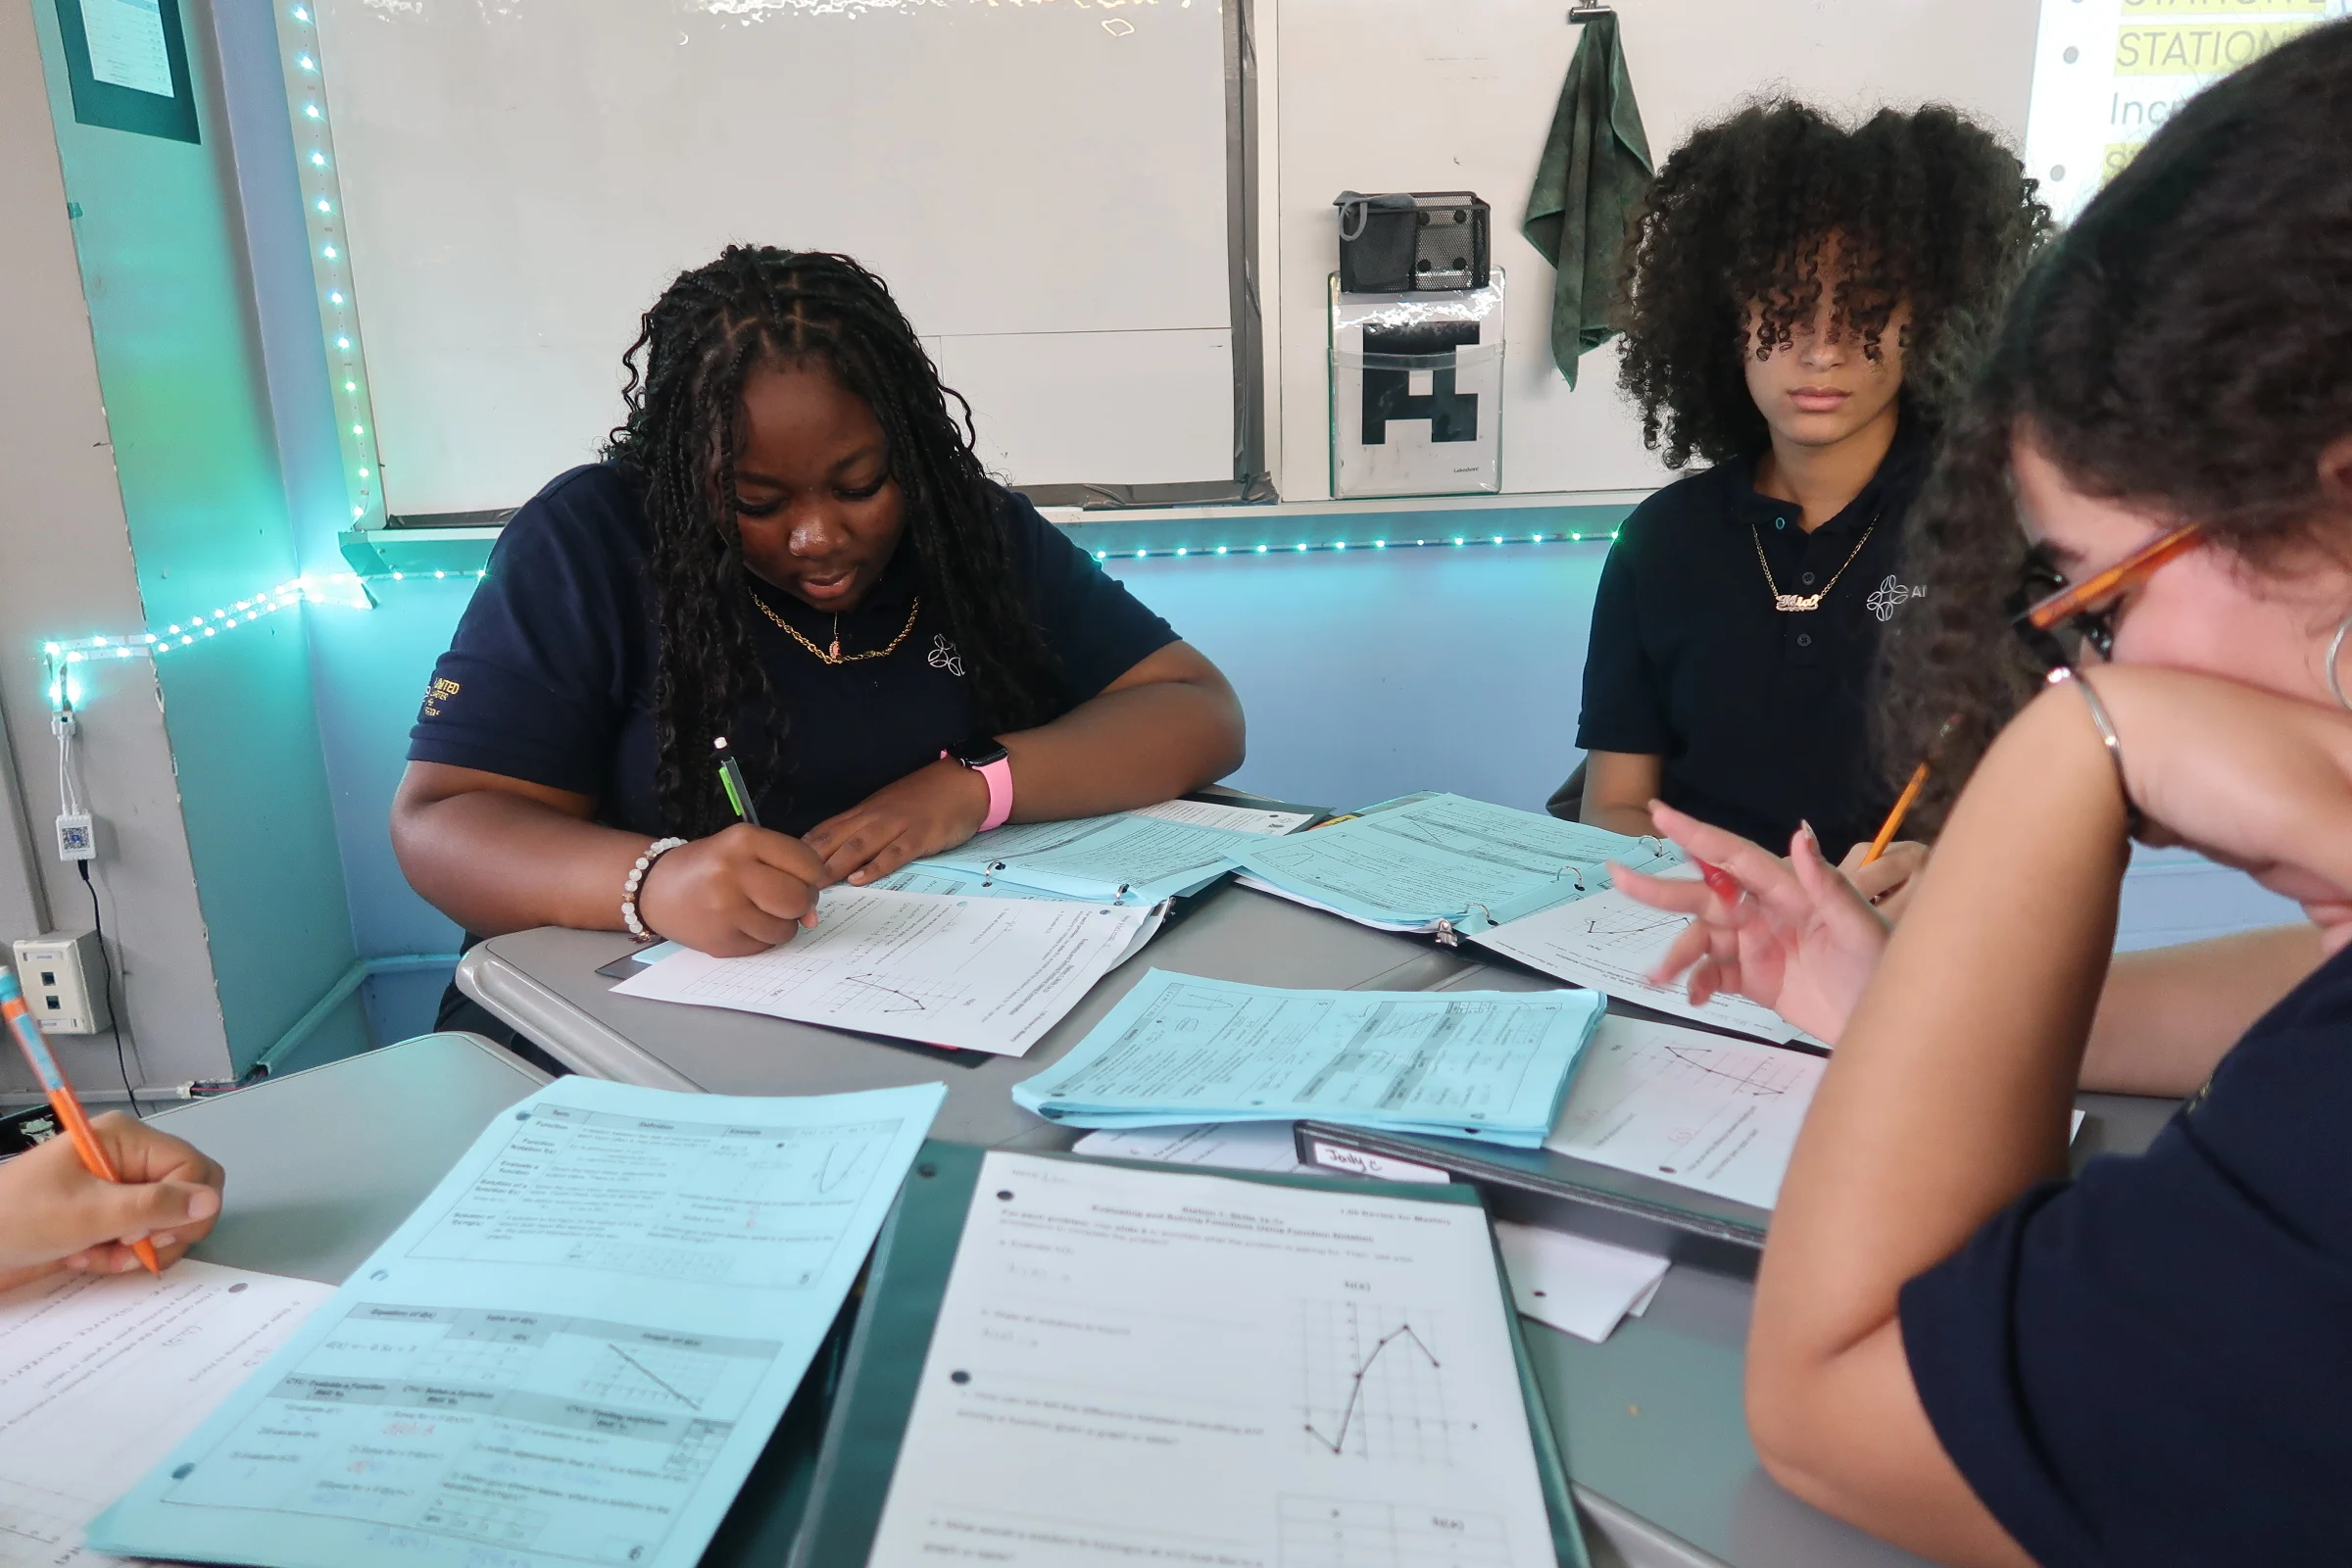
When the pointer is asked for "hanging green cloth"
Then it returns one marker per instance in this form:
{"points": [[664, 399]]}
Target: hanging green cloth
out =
{"points": [[1594, 170]]}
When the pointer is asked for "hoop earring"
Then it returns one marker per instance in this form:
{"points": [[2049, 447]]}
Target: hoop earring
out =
{"points": [[2335, 652]]}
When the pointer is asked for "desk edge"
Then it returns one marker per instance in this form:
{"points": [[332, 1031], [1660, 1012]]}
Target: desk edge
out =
{"points": [[572, 1035]]}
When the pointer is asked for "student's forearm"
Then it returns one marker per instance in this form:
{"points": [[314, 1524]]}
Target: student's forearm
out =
{"points": [[1947, 1098], [496, 862], [1618, 789], [1133, 746], [1632, 820], [2168, 1014]]}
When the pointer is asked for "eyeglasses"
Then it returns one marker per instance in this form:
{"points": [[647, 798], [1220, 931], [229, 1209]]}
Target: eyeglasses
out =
{"points": [[2055, 618]]}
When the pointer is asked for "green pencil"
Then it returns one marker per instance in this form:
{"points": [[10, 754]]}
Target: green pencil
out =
{"points": [[730, 779]]}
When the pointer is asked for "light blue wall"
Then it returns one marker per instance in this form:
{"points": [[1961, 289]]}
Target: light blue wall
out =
{"points": [[162, 249], [1370, 675]]}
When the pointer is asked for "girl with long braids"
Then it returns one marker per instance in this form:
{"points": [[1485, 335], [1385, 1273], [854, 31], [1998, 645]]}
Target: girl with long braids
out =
{"points": [[790, 545], [2141, 536], [1793, 289]]}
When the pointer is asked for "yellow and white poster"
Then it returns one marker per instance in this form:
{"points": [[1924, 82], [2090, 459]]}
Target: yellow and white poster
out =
{"points": [[2108, 72]]}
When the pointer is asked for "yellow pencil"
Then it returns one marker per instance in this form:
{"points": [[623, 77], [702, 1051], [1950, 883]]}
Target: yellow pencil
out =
{"points": [[1895, 819]]}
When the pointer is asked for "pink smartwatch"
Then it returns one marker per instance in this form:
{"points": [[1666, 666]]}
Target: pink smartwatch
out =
{"points": [[986, 755]]}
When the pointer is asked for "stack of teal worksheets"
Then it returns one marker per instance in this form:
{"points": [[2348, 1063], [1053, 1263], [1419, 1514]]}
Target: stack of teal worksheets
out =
{"points": [[1491, 1066], [1431, 862], [1123, 859], [570, 1354]]}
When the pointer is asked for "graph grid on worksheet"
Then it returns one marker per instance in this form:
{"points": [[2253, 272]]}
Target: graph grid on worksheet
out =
{"points": [[1375, 1383]]}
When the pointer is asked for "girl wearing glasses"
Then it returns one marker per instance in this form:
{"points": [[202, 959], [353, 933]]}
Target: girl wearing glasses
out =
{"points": [[1954, 1345], [1792, 288]]}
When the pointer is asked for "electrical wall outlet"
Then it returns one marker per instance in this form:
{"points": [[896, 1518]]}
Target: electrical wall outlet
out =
{"points": [[63, 976], [77, 837]]}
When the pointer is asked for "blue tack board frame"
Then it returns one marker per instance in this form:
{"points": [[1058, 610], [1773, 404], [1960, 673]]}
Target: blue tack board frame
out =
{"points": [[118, 108]]}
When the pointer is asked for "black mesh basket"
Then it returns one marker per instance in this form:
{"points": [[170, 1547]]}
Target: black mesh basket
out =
{"points": [[1404, 241]]}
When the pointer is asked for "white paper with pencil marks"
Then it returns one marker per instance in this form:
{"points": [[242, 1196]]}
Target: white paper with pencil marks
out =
{"points": [[1156, 1366], [971, 973]]}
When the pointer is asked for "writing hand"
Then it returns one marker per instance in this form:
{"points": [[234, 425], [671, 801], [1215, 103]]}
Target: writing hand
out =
{"points": [[930, 809], [55, 1214], [743, 890]]}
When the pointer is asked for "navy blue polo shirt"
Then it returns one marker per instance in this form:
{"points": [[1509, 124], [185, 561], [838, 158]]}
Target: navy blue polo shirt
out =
{"points": [[551, 675], [1760, 715], [2151, 1364]]}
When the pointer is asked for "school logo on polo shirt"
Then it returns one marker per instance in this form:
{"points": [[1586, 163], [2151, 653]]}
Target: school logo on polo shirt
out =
{"points": [[441, 691], [1890, 596], [944, 655]]}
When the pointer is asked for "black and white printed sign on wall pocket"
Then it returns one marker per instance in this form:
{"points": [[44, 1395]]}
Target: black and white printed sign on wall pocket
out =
{"points": [[1416, 391]]}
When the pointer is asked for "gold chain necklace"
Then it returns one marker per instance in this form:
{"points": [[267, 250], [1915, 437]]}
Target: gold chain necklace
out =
{"points": [[1793, 603], [834, 654]]}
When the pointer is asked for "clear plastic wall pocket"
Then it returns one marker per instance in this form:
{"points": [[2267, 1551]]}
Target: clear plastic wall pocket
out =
{"points": [[1416, 392]]}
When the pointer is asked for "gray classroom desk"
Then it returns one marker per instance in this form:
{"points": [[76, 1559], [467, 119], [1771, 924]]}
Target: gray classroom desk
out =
{"points": [[322, 1166], [1650, 1421]]}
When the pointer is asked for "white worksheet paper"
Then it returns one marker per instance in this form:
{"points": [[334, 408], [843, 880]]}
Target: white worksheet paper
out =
{"points": [[1179, 1047], [1122, 859], [1445, 858], [1700, 1110], [101, 1376], [975, 973], [920, 878], [1611, 942], [570, 1354], [128, 44], [1163, 1367], [1255, 819], [1574, 1283], [1271, 1145]]}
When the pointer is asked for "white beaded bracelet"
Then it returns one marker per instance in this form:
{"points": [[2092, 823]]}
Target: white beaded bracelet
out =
{"points": [[628, 893]]}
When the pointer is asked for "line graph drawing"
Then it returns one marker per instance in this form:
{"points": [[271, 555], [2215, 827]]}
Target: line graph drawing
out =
{"points": [[886, 998], [841, 1162], [655, 1378], [1620, 925], [1753, 1078], [1374, 1383], [651, 1378]]}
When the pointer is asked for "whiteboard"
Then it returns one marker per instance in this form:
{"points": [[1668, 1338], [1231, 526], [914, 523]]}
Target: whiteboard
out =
{"points": [[1380, 95], [1042, 186]]}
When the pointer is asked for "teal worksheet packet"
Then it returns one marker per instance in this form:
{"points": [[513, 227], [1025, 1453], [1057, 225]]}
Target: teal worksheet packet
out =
{"points": [[1486, 1064], [1431, 859], [569, 1356], [1122, 859]]}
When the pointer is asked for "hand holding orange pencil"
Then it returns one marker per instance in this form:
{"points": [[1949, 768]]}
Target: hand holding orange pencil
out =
{"points": [[62, 1100]]}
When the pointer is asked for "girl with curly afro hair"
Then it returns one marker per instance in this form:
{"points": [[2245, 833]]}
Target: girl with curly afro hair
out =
{"points": [[790, 545], [1797, 292]]}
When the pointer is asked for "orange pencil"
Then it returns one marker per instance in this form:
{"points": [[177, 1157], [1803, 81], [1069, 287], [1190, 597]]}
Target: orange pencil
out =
{"points": [[1895, 819], [60, 1096]]}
